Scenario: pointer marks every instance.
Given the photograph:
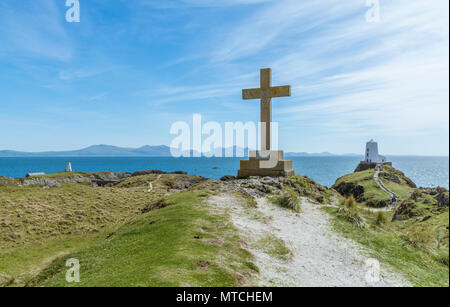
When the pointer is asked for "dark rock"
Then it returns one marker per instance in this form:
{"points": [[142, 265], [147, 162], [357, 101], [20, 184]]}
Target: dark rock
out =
{"points": [[320, 199], [410, 183], [228, 178], [426, 218], [362, 166], [148, 172], [390, 177], [110, 176], [203, 264], [179, 173], [377, 204], [442, 197], [158, 204], [184, 182], [349, 188], [404, 211]]}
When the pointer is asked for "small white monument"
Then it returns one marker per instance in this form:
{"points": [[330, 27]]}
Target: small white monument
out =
{"points": [[371, 157], [69, 167]]}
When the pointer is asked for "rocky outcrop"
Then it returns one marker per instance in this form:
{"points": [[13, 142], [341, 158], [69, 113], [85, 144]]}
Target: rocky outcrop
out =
{"points": [[391, 177], [363, 166], [405, 211], [396, 176], [378, 203], [111, 176], [184, 182], [442, 197], [262, 186], [349, 188], [156, 171], [228, 178], [6, 180], [147, 172], [46, 183]]}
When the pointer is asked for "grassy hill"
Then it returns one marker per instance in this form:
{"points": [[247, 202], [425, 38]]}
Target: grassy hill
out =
{"points": [[178, 245], [406, 236], [365, 190], [153, 229], [164, 237]]}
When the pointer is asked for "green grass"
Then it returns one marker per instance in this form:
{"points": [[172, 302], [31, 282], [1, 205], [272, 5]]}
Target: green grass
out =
{"points": [[180, 245], [288, 199], [372, 192], [37, 225], [274, 246], [407, 246], [23, 263], [307, 187], [349, 211], [63, 175]]}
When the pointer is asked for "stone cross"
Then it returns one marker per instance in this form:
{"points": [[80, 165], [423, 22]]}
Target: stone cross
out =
{"points": [[266, 93]]}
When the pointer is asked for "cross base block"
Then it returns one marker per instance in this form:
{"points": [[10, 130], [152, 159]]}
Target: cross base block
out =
{"points": [[266, 163]]}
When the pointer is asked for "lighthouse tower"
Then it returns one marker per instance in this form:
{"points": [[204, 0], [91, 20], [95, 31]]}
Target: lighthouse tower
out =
{"points": [[69, 167], [372, 155]]}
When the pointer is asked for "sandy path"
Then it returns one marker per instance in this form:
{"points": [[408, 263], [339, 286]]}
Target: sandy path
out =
{"points": [[320, 257], [150, 185], [381, 185]]}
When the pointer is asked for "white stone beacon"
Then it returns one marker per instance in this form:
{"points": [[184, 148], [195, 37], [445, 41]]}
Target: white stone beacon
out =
{"points": [[69, 167], [372, 155]]}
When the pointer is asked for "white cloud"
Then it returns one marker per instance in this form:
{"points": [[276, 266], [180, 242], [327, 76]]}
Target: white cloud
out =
{"points": [[349, 76], [34, 30]]}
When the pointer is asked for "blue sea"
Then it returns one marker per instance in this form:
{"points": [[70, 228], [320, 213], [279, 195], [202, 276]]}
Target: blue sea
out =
{"points": [[424, 171]]}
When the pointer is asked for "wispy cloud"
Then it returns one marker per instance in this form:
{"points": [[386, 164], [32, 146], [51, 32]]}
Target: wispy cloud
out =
{"points": [[35, 29], [174, 4], [85, 72], [350, 78]]}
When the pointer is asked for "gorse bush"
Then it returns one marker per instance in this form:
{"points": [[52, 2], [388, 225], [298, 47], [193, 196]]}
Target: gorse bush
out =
{"points": [[288, 199]]}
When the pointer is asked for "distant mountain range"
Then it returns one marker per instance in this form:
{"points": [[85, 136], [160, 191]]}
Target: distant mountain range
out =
{"points": [[144, 151]]}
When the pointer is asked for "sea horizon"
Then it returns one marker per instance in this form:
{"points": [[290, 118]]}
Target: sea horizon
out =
{"points": [[425, 171]]}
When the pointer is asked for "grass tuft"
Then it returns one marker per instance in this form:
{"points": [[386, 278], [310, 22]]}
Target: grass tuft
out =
{"points": [[349, 211], [275, 247], [288, 199], [380, 218]]}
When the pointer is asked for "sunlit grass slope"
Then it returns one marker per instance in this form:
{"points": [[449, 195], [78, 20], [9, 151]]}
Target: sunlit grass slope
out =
{"points": [[183, 244]]}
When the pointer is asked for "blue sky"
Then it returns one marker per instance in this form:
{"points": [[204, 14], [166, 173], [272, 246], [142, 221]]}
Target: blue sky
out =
{"points": [[131, 68]]}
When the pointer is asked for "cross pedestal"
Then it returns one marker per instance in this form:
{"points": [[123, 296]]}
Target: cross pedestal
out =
{"points": [[266, 162], [258, 165]]}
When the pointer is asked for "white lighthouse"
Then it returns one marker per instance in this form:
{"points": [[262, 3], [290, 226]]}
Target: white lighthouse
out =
{"points": [[372, 155], [69, 167]]}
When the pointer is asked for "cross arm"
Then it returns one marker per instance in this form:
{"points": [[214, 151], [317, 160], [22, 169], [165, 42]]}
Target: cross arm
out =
{"points": [[280, 91], [253, 93], [273, 92]]}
